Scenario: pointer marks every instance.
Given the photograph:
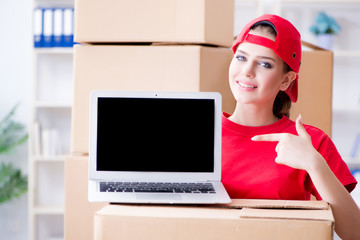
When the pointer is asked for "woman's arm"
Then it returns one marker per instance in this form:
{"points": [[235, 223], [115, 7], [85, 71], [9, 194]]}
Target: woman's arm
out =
{"points": [[346, 212], [298, 152]]}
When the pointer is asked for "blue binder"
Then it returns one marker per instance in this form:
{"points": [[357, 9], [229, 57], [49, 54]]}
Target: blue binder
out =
{"points": [[48, 21], [53, 27], [68, 27], [38, 27], [58, 27]]}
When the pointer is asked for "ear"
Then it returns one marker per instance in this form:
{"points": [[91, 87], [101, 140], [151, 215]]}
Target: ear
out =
{"points": [[288, 78]]}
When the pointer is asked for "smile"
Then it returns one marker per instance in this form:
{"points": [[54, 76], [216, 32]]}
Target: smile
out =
{"points": [[246, 86]]}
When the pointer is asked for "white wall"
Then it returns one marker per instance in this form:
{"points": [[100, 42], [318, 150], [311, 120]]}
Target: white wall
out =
{"points": [[15, 71]]}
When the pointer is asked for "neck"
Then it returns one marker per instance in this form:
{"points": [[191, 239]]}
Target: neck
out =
{"points": [[253, 115]]}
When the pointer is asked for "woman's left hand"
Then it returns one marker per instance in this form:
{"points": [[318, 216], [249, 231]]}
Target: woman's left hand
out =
{"points": [[295, 151]]}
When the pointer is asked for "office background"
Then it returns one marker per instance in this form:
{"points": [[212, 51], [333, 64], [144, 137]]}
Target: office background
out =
{"points": [[15, 77]]}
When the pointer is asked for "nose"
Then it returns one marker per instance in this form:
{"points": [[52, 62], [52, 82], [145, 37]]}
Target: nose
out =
{"points": [[248, 69]]}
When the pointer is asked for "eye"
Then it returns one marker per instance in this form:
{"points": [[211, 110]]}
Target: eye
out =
{"points": [[265, 65], [240, 58]]}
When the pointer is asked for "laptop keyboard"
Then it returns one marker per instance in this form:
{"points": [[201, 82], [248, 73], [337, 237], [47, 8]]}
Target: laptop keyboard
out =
{"points": [[152, 187]]}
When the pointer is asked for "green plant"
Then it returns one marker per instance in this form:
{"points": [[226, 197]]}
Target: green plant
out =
{"points": [[325, 24], [12, 182]]}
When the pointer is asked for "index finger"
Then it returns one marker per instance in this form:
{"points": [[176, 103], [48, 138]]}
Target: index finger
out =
{"points": [[273, 137]]}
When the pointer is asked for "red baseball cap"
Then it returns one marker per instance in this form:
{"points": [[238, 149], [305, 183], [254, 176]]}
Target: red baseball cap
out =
{"points": [[287, 44]]}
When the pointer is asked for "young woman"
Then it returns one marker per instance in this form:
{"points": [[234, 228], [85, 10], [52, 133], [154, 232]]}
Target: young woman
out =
{"points": [[266, 155]]}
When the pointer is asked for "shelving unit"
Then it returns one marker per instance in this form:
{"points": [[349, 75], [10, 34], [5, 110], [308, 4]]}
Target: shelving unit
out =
{"points": [[346, 85], [49, 139]]}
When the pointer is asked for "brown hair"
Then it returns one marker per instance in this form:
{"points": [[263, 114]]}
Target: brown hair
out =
{"points": [[282, 103]]}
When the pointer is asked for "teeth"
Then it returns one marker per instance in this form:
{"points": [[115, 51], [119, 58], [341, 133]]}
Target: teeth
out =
{"points": [[247, 86]]}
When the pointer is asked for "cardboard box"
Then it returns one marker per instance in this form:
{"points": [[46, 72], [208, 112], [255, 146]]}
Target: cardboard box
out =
{"points": [[79, 212], [243, 219], [145, 68], [182, 21], [315, 88]]}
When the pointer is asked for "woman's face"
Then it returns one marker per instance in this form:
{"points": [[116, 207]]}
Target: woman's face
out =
{"points": [[256, 73]]}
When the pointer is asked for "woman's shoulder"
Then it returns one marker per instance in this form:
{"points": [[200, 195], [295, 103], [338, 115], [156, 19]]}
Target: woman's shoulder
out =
{"points": [[320, 140], [313, 131]]}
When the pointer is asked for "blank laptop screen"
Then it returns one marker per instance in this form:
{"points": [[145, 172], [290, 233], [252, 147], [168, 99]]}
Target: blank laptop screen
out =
{"points": [[155, 134]]}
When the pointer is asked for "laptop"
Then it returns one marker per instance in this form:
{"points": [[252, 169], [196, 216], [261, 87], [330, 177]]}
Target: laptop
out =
{"points": [[155, 147]]}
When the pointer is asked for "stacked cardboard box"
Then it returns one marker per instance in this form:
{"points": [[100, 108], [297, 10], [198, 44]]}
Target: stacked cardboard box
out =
{"points": [[241, 220], [157, 68], [315, 87], [178, 21], [157, 45]]}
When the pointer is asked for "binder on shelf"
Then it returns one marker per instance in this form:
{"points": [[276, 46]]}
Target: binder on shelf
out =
{"points": [[45, 141], [38, 28], [68, 27], [53, 27], [50, 142], [48, 22], [58, 27]]}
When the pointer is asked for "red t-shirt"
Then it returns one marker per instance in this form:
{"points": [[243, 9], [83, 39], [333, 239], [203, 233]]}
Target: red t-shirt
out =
{"points": [[249, 169]]}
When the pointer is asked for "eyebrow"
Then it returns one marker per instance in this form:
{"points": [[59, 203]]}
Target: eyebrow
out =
{"points": [[263, 57]]}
